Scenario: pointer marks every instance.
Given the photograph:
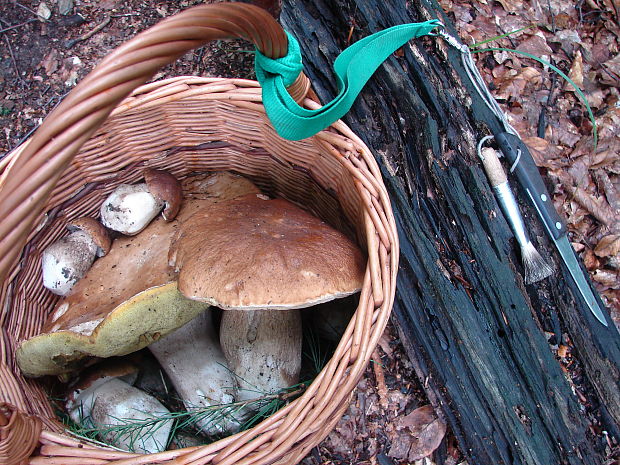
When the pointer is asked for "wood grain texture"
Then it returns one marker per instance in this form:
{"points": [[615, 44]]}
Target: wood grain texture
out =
{"points": [[474, 332]]}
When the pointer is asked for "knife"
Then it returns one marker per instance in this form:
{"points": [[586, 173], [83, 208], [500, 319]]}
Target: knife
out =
{"points": [[517, 154]]}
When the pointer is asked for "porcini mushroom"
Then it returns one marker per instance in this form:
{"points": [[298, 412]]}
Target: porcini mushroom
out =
{"points": [[67, 260], [128, 299], [131, 207], [195, 364], [125, 416], [263, 254]]}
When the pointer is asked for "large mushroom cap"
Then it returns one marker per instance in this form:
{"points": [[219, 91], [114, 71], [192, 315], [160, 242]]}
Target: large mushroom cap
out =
{"points": [[127, 299], [262, 253]]}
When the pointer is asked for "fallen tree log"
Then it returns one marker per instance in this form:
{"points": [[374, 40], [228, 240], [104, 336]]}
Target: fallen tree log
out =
{"points": [[474, 331]]}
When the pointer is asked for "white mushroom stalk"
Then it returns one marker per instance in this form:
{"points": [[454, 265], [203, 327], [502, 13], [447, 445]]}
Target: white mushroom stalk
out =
{"points": [[123, 416], [126, 417], [193, 360], [263, 349], [67, 260], [131, 207]]}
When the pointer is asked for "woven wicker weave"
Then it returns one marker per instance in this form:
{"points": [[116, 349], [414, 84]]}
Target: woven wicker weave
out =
{"points": [[100, 137]]}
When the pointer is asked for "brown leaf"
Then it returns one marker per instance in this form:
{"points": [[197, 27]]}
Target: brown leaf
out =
{"points": [[597, 207], [427, 429], [512, 6], [612, 68], [576, 72], [544, 153], [536, 45], [562, 351], [608, 246], [609, 279], [590, 261], [513, 86], [417, 435], [50, 62], [384, 343]]}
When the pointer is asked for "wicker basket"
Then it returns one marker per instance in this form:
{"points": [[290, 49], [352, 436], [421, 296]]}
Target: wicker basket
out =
{"points": [[100, 137]]}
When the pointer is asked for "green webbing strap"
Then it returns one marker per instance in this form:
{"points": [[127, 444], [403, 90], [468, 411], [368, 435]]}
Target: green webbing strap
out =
{"points": [[353, 68]]}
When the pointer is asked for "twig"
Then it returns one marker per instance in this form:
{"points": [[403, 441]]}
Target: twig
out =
{"points": [[89, 34], [15, 26], [25, 8], [542, 118], [552, 16], [8, 44], [380, 378]]}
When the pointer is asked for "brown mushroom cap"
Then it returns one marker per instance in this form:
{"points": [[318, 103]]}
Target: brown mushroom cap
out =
{"points": [[95, 230], [165, 188], [110, 368], [255, 253], [128, 299]]}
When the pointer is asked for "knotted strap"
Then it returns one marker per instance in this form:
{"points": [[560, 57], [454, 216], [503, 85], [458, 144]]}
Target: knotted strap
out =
{"points": [[353, 68]]}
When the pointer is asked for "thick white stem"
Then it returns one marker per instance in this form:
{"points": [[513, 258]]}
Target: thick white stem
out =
{"points": [[130, 208], [263, 349], [66, 261], [113, 406], [194, 362]]}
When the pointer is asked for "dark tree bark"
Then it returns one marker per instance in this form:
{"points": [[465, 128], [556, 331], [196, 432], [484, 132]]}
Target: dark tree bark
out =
{"points": [[473, 330]]}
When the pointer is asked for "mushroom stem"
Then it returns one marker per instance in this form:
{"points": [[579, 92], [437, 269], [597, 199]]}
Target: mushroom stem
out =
{"points": [[66, 261], [113, 407], [263, 349], [194, 362]]}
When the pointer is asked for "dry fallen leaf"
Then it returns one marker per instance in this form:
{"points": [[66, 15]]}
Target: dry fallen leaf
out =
{"points": [[597, 207], [513, 86], [608, 246], [608, 278], [562, 351], [426, 428], [576, 72], [544, 153], [536, 45]]}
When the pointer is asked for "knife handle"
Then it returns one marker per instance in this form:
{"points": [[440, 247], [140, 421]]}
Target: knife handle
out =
{"points": [[527, 173]]}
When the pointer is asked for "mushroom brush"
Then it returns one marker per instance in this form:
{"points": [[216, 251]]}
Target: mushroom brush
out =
{"points": [[534, 266]]}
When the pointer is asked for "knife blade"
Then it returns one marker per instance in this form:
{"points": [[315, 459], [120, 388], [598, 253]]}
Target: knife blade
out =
{"points": [[518, 155]]}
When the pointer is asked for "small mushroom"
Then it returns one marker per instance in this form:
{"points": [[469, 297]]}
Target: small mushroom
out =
{"points": [[126, 417], [195, 364], [131, 207], [265, 257], [67, 260]]}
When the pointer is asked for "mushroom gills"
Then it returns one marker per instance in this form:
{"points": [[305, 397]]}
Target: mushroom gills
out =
{"points": [[193, 360]]}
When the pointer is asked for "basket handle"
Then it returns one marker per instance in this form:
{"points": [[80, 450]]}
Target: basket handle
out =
{"points": [[26, 185]]}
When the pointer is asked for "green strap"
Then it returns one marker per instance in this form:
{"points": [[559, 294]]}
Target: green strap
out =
{"points": [[353, 68]]}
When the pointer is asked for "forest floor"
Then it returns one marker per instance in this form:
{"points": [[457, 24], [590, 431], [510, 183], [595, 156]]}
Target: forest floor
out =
{"points": [[44, 53]]}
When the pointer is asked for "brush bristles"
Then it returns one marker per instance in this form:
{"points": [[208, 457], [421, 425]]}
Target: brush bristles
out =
{"points": [[534, 265]]}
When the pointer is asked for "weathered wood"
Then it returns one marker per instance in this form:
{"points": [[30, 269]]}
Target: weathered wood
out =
{"points": [[471, 327]]}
